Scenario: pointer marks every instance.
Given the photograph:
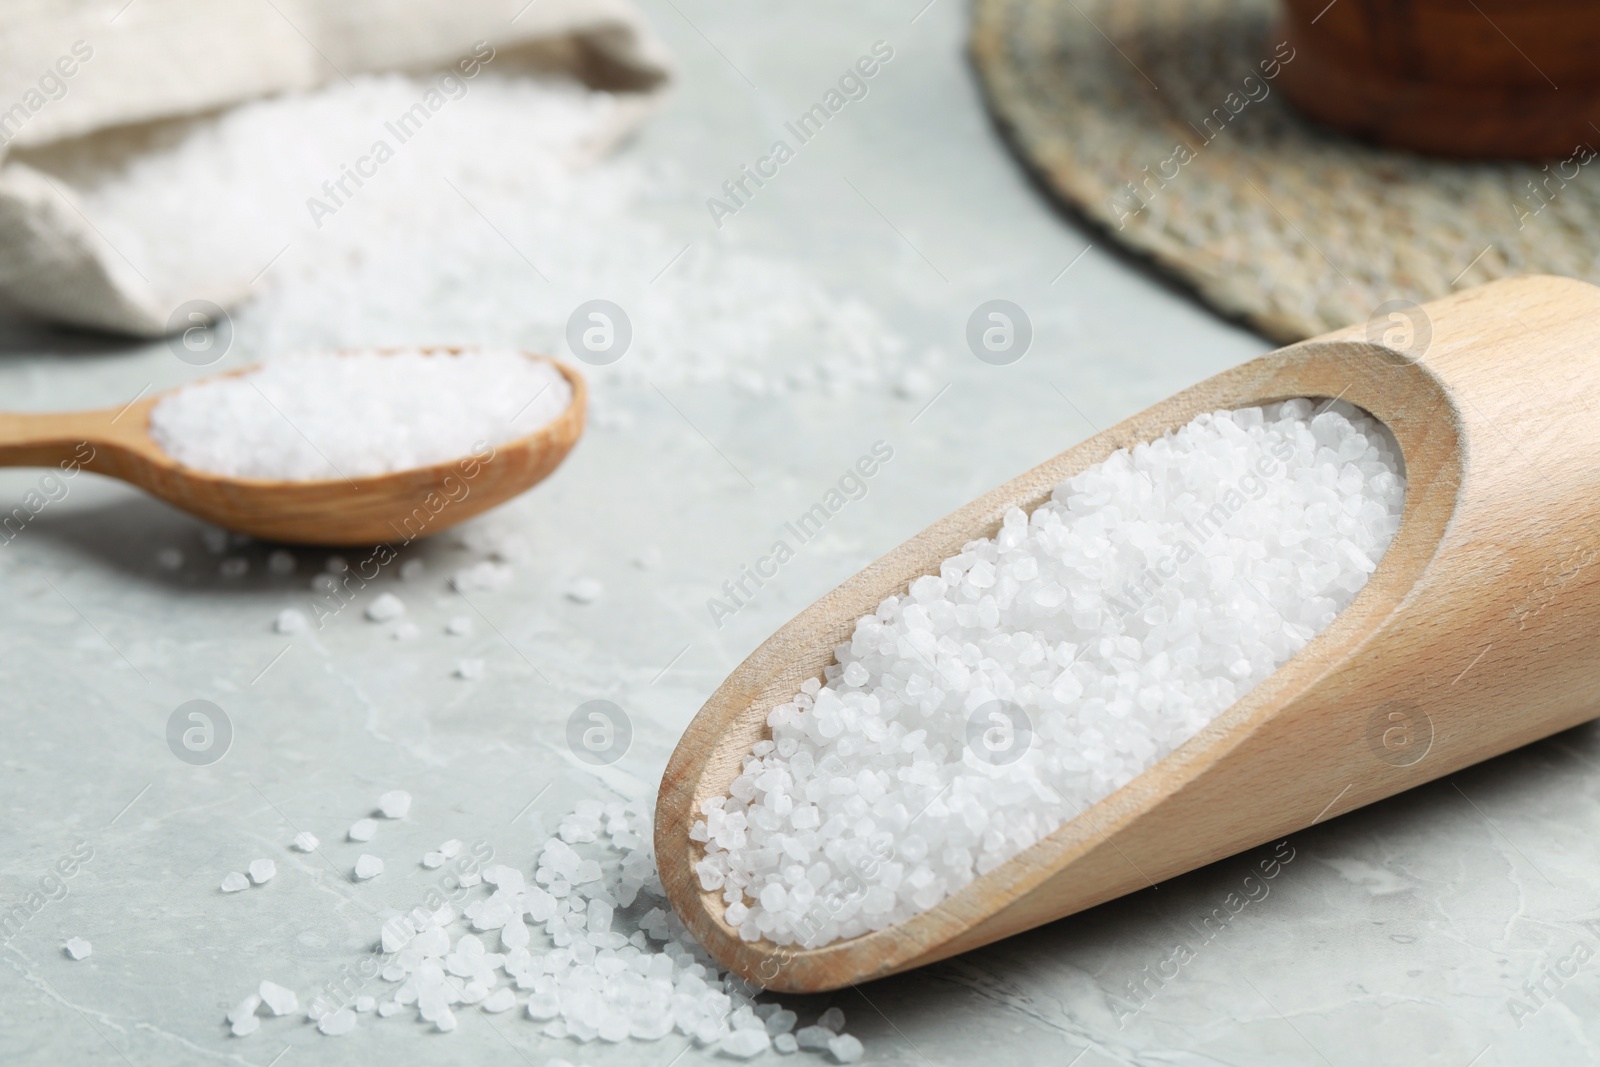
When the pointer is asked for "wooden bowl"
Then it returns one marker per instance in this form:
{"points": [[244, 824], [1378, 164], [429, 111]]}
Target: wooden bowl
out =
{"points": [[1468, 79]]}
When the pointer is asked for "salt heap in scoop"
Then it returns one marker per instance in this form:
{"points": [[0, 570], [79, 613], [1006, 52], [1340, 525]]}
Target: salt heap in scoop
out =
{"points": [[1043, 668]]}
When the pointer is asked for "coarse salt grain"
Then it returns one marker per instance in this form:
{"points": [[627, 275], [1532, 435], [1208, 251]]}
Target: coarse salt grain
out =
{"points": [[368, 866], [78, 948], [469, 668], [585, 591], [279, 1000], [362, 830], [460, 626], [395, 804], [262, 870], [385, 606], [233, 882], [333, 416], [1043, 668], [337, 1023], [304, 842], [291, 621]]}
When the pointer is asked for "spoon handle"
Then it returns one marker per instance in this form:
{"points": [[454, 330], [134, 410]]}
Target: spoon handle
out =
{"points": [[53, 439]]}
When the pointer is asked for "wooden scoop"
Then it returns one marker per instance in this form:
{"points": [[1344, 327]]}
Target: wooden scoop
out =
{"points": [[368, 510], [1479, 631]]}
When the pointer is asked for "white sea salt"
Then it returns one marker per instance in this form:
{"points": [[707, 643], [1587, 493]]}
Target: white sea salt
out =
{"points": [[233, 882], [487, 574], [362, 830], [368, 866], [743, 1044], [244, 1009], [280, 562], [786, 1043], [469, 668], [78, 948], [410, 254], [262, 870], [1043, 668], [279, 1000], [385, 606], [291, 621], [304, 842], [411, 570], [365, 1003], [169, 559], [585, 591], [333, 416], [845, 1048], [460, 626], [395, 804], [337, 1023], [245, 1026], [405, 631]]}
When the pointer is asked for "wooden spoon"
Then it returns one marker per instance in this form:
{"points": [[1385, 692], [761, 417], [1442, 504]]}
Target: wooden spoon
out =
{"points": [[368, 510], [1479, 631]]}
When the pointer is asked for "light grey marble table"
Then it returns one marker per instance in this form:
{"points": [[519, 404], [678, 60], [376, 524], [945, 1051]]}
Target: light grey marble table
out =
{"points": [[1414, 932]]}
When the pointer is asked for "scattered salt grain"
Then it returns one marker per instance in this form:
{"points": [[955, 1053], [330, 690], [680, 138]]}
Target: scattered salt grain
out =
{"points": [[786, 1043], [814, 1037], [585, 590], [365, 1003], [335, 565], [469, 668], [368, 866], [500, 1000], [323, 416], [169, 559], [487, 575], [845, 1048], [233, 882], [234, 567], [385, 606], [362, 829], [304, 842], [246, 1026], [394, 804], [389, 1007], [433, 860], [832, 1019], [290, 621], [743, 1044], [649, 558], [411, 570], [78, 948], [280, 562], [278, 999], [262, 870], [1041, 669], [460, 626], [405, 631], [451, 848], [337, 1023], [244, 1009]]}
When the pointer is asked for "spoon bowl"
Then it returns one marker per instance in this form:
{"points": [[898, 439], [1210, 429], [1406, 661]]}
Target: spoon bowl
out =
{"points": [[365, 510], [1477, 633]]}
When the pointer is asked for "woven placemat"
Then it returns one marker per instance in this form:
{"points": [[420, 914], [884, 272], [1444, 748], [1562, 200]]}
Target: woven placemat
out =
{"points": [[1158, 120]]}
